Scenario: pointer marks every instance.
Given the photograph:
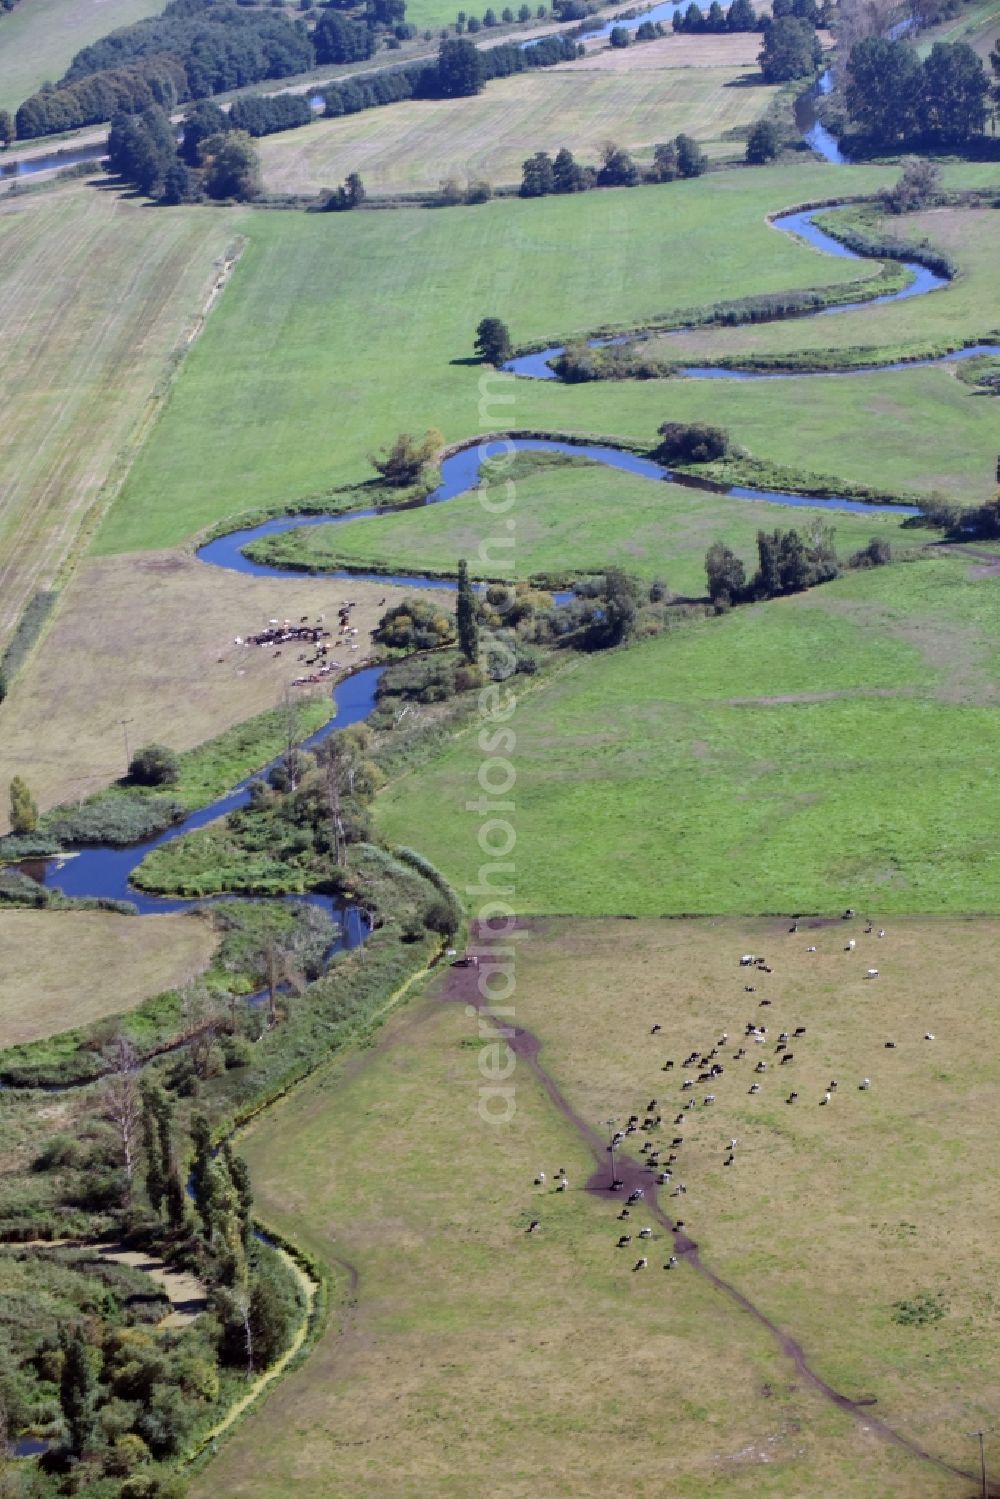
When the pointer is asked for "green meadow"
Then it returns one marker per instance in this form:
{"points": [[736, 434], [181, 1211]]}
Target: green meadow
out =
{"points": [[967, 310], [333, 336], [570, 517], [831, 749]]}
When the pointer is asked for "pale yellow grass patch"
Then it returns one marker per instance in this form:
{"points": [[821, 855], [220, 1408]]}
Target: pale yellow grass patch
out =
{"points": [[63, 969], [96, 292], [419, 143], [738, 50], [150, 638]]}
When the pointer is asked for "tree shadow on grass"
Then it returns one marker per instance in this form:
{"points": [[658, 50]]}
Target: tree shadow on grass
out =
{"points": [[746, 80]]}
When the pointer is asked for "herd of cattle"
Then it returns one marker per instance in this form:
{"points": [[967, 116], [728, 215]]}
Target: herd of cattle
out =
{"points": [[704, 1068], [314, 636]]}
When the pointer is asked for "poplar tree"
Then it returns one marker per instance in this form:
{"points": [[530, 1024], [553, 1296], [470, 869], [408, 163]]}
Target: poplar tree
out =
{"points": [[23, 808], [465, 615], [77, 1390]]}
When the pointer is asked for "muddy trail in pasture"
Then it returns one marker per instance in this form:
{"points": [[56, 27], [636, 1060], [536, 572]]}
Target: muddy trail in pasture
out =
{"points": [[461, 986]]}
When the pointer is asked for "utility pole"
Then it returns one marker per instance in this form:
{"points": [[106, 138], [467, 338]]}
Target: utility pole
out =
{"points": [[982, 1459], [128, 758]]}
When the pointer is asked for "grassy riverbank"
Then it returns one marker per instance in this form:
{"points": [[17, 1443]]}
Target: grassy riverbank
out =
{"points": [[283, 351], [571, 517]]}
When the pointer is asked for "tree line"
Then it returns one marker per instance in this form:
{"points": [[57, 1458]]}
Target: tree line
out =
{"points": [[461, 69], [542, 174], [787, 562], [195, 49], [740, 16], [472, 23], [893, 98], [212, 158]]}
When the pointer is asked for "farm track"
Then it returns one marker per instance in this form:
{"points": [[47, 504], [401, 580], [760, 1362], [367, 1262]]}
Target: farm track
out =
{"points": [[461, 987]]}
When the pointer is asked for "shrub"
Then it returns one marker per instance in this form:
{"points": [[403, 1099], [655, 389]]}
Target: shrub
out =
{"points": [[154, 765], [415, 624], [404, 461], [918, 184], [120, 819], [691, 442], [878, 553], [442, 916], [919, 1311]]}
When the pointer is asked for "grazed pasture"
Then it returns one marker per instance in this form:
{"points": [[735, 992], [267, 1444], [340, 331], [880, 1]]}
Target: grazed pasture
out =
{"points": [[151, 639], [529, 1363]]}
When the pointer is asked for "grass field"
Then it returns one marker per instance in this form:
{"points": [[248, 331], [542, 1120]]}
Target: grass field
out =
{"points": [[812, 753], [977, 24], [151, 639], [579, 517], [416, 145], [281, 396], [96, 295], [39, 37], [969, 308], [64, 969], [466, 1354]]}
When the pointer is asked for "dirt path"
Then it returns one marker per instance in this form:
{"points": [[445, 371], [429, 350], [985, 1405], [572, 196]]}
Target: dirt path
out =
{"points": [[461, 987], [188, 1296], [991, 559]]}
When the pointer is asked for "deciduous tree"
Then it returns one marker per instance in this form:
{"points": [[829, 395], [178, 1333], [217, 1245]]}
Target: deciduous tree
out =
{"points": [[726, 575], [791, 50], [232, 166], [762, 143], [405, 460], [493, 343]]}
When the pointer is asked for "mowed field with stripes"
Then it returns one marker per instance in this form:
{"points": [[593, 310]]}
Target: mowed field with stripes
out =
{"points": [[708, 87], [98, 296]]}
